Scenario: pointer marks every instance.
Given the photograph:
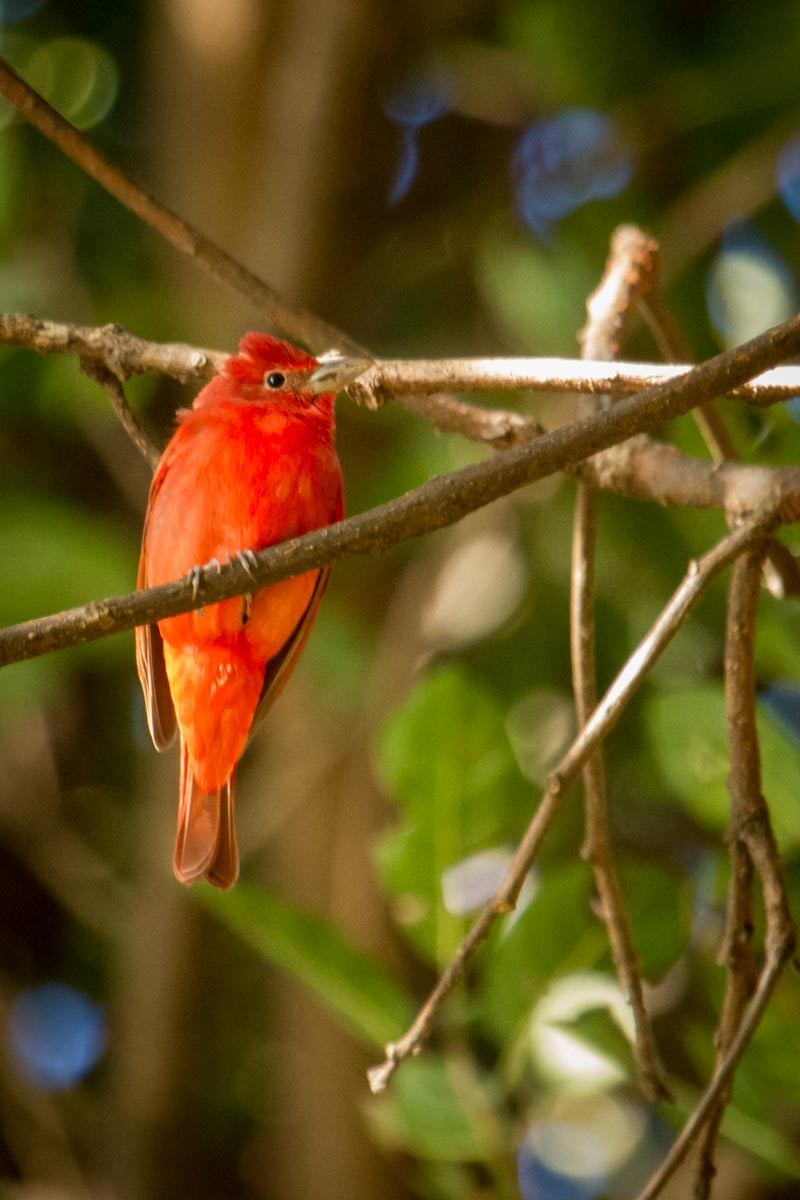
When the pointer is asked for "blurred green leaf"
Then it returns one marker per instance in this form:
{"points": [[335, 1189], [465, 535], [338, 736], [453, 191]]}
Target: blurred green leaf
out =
{"points": [[555, 934], [446, 759], [356, 987], [778, 646], [598, 1029], [538, 294], [688, 736], [57, 554], [440, 1110], [659, 905]]}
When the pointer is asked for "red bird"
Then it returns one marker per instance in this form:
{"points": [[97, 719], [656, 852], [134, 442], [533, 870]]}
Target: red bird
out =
{"points": [[251, 463]]}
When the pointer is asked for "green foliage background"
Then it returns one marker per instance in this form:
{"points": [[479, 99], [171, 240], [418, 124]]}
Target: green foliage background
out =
{"points": [[435, 692]]}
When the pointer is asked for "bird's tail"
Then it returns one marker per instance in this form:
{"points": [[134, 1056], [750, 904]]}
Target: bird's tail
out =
{"points": [[205, 845]]}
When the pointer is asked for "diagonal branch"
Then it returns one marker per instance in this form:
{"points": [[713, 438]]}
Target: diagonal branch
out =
{"points": [[767, 981], [602, 721]]}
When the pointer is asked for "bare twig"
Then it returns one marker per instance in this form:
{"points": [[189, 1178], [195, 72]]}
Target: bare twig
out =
{"points": [[440, 502], [124, 413], [650, 470], [112, 347], [751, 835], [781, 570], [631, 271], [406, 377], [601, 722], [755, 1010], [675, 349], [125, 354], [737, 953]]}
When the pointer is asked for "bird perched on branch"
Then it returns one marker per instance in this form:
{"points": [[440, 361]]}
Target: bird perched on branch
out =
{"points": [[251, 463]]}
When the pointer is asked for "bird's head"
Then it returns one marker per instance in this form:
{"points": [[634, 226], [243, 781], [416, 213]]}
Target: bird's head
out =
{"points": [[267, 367]]}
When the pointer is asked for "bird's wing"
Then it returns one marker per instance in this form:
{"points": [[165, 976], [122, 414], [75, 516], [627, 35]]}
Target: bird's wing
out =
{"points": [[281, 666], [153, 674]]}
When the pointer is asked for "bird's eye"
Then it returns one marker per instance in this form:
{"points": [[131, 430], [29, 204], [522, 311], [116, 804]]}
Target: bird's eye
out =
{"points": [[275, 380]]}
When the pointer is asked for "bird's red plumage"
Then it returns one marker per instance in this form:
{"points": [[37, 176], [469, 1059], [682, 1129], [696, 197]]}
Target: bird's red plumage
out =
{"points": [[247, 467]]}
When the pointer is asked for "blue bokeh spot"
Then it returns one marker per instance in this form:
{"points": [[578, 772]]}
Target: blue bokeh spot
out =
{"points": [[418, 98], [19, 10], [782, 702], [565, 161], [539, 1182], [787, 175], [56, 1034]]}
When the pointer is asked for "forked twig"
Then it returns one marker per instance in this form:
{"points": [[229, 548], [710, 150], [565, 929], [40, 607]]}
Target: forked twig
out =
{"points": [[604, 717], [781, 569], [770, 974], [123, 411]]}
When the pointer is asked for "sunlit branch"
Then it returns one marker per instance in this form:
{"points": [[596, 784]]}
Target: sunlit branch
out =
{"points": [[601, 722], [388, 379], [126, 354]]}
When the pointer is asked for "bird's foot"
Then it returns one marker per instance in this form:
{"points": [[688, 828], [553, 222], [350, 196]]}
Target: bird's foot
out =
{"points": [[247, 559], [195, 576]]}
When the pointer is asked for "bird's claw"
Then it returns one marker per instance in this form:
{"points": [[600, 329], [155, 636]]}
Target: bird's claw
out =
{"points": [[248, 561], [195, 576]]}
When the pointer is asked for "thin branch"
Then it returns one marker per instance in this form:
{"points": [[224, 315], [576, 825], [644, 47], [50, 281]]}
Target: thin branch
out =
{"points": [[752, 830], [781, 569], [124, 413], [648, 470], [404, 377], [112, 347], [495, 427], [768, 979], [737, 952], [675, 349], [125, 354], [442, 501], [602, 721], [631, 271]]}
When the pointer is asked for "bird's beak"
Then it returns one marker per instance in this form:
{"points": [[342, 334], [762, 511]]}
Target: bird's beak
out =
{"points": [[335, 371]]}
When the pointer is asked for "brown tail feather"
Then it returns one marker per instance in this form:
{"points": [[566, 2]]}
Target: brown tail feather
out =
{"points": [[205, 845]]}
